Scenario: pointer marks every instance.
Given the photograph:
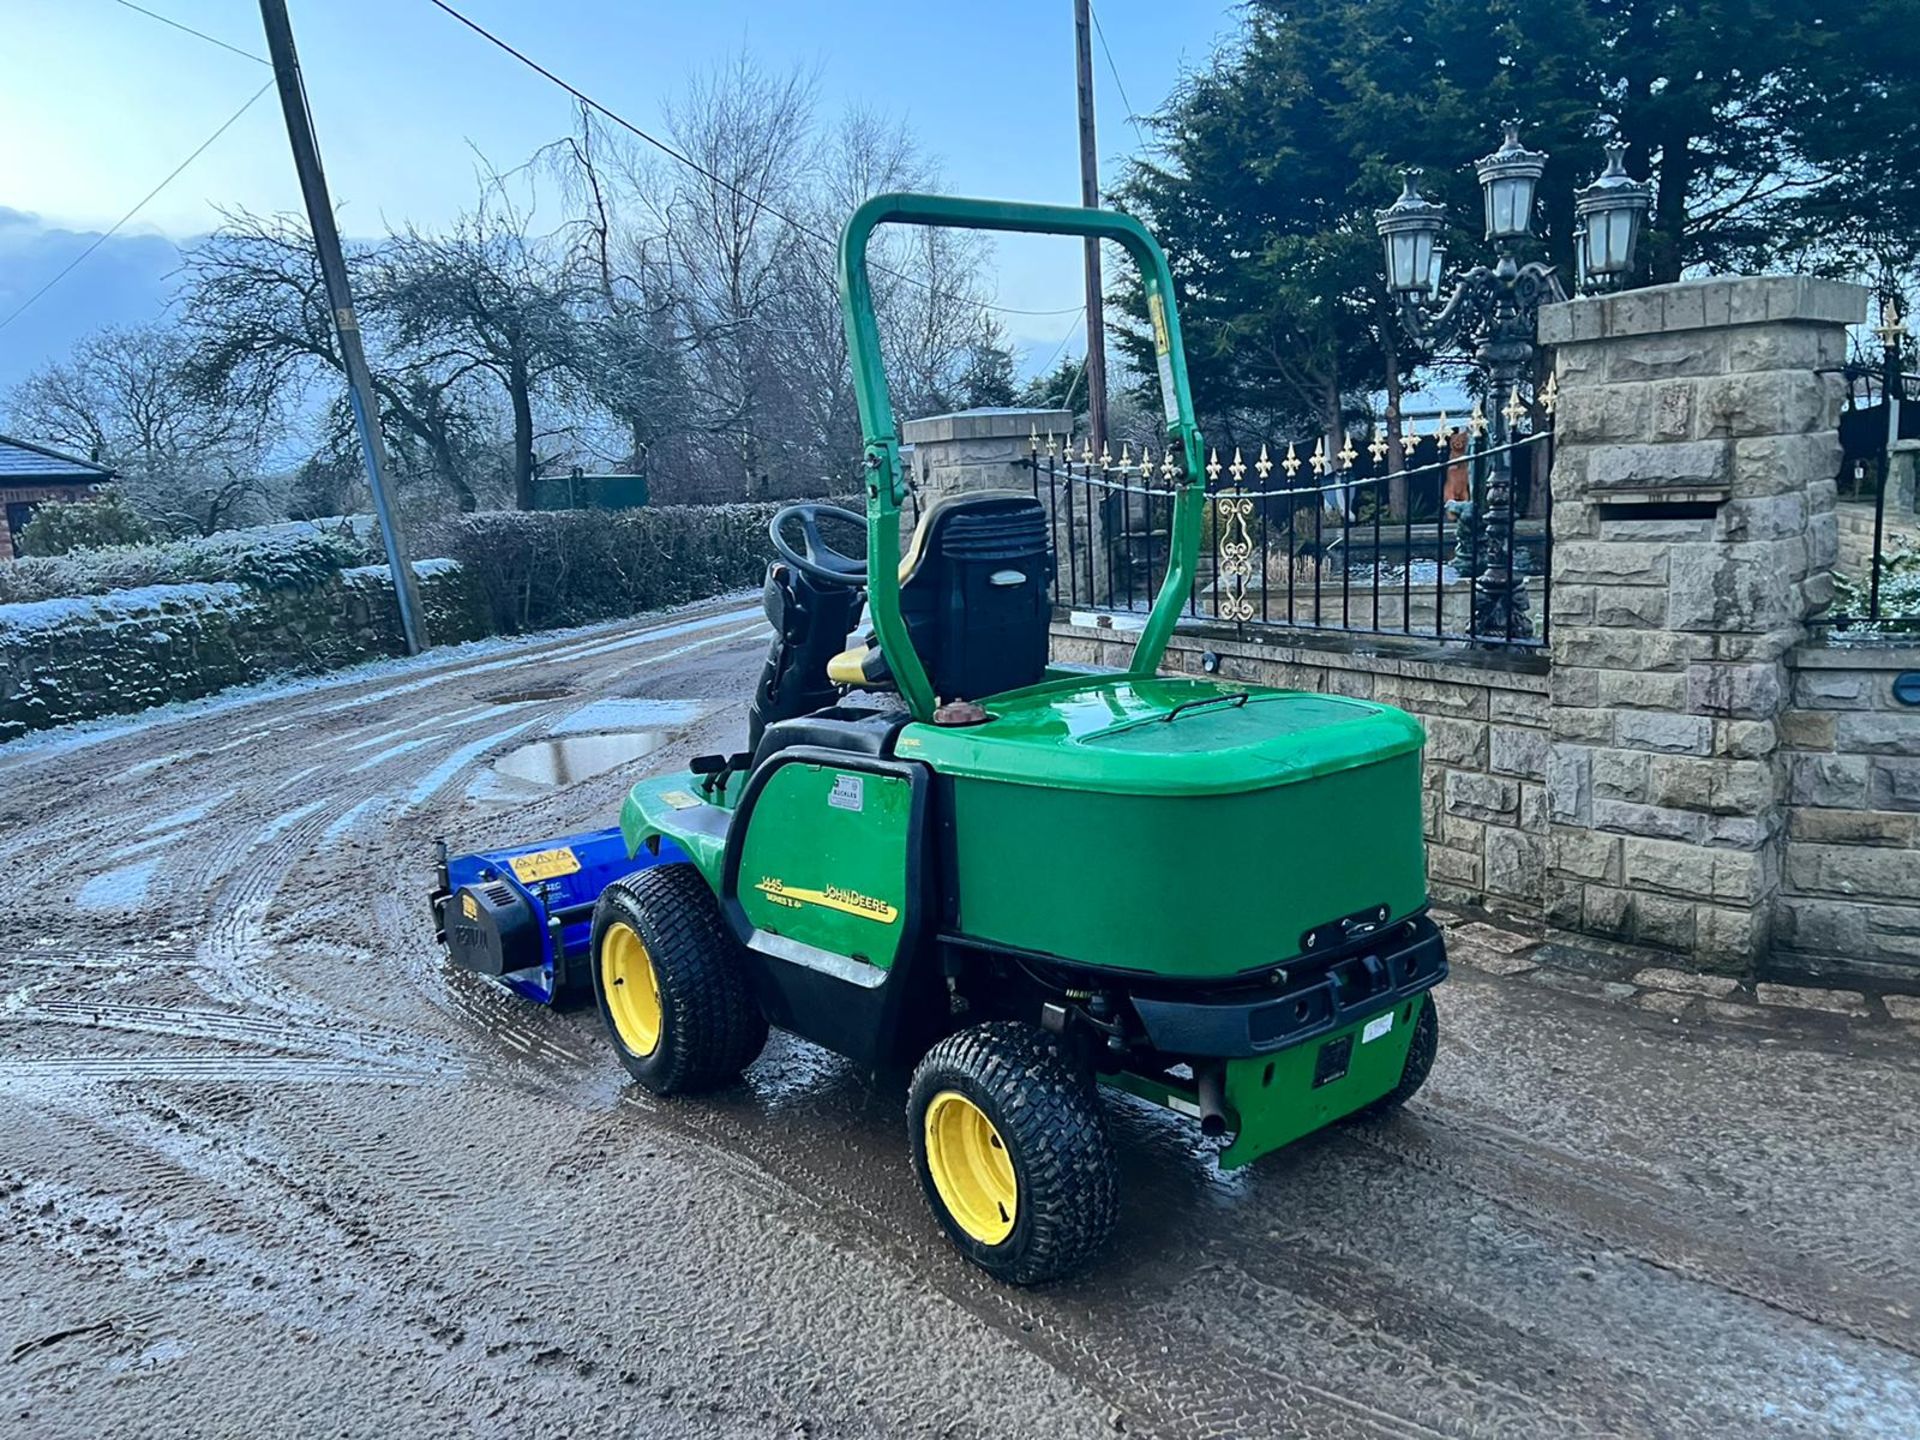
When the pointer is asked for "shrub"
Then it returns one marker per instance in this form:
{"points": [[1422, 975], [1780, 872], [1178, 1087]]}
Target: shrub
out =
{"points": [[548, 568], [1899, 595], [275, 558], [62, 526]]}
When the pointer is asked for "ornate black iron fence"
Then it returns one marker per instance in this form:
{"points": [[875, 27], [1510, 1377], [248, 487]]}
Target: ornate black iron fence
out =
{"points": [[1877, 572], [1343, 541]]}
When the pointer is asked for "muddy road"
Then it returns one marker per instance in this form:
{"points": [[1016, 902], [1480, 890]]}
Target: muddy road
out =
{"points": [[269, 1167]]}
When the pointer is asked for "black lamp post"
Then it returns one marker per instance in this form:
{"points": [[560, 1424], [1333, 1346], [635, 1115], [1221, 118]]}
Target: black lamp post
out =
{"points": [[1495, 310]]}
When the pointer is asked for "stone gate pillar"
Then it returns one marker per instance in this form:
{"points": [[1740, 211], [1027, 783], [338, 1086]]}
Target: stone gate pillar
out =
{"points": [[989, 449], [1694, 535]]}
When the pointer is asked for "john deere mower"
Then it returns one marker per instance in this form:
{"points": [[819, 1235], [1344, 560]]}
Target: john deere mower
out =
{"points": [[1023, 880]]}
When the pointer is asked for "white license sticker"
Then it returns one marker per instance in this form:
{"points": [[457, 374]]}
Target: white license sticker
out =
{"points": [[1376, 1027], [848, 793]]}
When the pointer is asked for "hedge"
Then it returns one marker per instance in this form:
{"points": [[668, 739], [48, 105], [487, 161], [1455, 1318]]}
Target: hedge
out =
{"points": [[565, 567], [284, 557]]}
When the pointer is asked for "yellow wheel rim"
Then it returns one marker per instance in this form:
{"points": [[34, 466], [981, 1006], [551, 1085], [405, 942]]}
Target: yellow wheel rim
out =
{"points": [[971, 1168], [631, 988]]}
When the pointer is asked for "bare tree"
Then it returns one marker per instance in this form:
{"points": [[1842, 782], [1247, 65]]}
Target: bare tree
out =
{"points": [[192, 453], [488, 300], [255, 312]]}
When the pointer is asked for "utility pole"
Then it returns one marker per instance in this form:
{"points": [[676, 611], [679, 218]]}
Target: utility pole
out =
{"points": [[326, 240], [1090, 197]]}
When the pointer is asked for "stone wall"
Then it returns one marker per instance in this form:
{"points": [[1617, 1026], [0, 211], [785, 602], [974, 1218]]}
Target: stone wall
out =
{"points": [[1485, 795], [1849, 904], [1694, 534], [86, 656]]}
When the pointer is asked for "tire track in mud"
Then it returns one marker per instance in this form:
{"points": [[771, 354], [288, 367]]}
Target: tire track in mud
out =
{"points": [[187, 1210], [314, 1040], [1556, 1195], [1217, 1373]]}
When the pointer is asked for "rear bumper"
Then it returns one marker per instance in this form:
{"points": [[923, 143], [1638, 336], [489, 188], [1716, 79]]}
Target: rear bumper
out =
{"points": [[1408, 959]]}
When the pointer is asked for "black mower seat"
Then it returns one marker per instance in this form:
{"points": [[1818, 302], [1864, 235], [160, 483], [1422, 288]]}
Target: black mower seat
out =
{"points": [[973, 591]]}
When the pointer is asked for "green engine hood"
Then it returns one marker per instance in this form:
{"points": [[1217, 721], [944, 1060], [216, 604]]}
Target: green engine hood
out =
{"points": [[1163, 736]]}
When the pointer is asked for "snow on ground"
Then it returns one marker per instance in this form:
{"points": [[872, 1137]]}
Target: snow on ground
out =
{"points": [[624, 714], [122, 889]]}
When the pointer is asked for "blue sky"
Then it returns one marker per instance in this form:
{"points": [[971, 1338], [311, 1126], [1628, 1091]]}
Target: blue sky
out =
{"points": [[97, 103]]}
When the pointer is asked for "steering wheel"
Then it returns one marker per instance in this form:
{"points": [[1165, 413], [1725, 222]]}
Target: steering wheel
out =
{"points": [[817, 559]]}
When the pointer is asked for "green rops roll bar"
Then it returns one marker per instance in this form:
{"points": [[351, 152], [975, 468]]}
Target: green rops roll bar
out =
{"points": [[886, 483]]}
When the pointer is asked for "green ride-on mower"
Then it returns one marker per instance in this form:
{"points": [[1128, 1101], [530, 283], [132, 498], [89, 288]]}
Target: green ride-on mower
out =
{"points": [[1021, 879]]}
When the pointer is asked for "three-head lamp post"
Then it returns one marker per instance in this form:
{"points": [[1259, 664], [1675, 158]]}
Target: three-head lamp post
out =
{"points": [[1494, 310]]}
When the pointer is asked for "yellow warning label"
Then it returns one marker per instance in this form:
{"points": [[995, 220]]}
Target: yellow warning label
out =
{"points": [[1157, 308], [543, 865], [834, 897], [678, 799], [469, 908]]}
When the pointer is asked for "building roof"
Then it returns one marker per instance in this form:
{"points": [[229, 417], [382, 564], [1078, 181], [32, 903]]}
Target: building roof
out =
{"points": [[22, 461]]}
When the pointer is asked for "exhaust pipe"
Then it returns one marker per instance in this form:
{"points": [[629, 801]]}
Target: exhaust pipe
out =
{"points": [[1213, 1100]]}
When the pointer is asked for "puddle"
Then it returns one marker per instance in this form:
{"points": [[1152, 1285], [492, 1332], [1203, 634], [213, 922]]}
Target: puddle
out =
{"points": [[569, 758]]}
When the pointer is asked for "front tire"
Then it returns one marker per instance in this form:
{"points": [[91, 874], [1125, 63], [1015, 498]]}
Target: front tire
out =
{"points": [[1011, 1149], [671, 982]]}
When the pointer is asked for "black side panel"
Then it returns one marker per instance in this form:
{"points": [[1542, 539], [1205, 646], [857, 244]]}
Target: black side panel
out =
{"points": [[870, 1015], [843, 729]]}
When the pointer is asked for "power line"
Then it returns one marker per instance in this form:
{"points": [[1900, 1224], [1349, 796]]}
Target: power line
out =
{"points": [[1113, 70], [673, 153], [1066, 341], [102, 239], [200, 34]]}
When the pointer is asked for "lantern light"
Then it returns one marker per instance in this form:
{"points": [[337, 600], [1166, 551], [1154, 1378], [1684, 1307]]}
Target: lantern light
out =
{"points": [[1409, 229], [1507, 178], [1611, 212]]}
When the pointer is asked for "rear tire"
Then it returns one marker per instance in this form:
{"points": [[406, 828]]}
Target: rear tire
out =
{"points": [[1011, 1149], [1420, 1052], [671, 982]]}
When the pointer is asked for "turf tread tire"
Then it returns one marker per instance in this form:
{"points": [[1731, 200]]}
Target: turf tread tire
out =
{"points": [[711, 1026], [1049, 1114], [1420, 1054]]}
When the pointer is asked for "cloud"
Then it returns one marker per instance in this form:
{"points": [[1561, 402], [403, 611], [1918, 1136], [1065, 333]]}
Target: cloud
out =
{"points": [[125, 282]]}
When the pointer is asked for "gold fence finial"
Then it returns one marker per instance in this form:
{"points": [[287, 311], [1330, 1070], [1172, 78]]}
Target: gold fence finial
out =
{"points": [[1442, 429], [1550, 396], [1516, 409], [1347, 453], [1292, 463], [1126, 455], [1239, 467], [1033, 439], [1086, 451], [1168, 470], [1146, 462], [1319, 458], [1213, 464], [1378, 447], [1106, 456], [1263, 467], [1477, 421], [1409, 440]]}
